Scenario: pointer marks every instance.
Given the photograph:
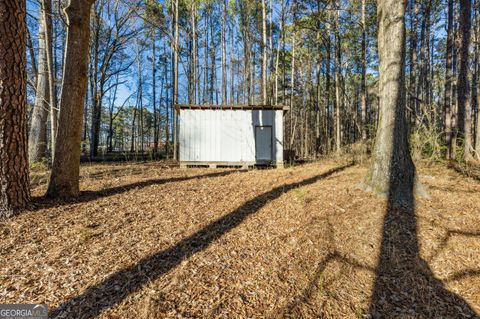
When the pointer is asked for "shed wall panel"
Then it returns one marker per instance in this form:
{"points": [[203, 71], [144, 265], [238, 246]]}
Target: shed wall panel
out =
{"points": [[226, 135]]}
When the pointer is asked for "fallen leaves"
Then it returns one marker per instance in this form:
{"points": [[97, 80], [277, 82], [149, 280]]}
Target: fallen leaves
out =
{"points": [[311, 251]]}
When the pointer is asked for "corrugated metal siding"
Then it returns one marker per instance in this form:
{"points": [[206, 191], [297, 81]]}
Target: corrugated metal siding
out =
{"points": [[226, 135]]}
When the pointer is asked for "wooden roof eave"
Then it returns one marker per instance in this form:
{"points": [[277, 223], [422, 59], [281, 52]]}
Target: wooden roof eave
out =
{"points": [[179, 107]]}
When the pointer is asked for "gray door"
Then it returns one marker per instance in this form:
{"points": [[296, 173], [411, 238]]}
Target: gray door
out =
{"points": [[263, 143]]}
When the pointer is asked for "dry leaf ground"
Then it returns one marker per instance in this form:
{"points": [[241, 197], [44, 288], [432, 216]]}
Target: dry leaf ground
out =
{"points": [[151, 241]]}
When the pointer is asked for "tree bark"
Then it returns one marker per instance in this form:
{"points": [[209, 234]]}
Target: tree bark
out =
{"points": [[95, 86], [154, 91], [167, 101], [477, 129], [37, 138], [338, 98], [47, 16], [448, 82], [364, 73], [14, 179], [292, 87], [264, 51], [463, 87], [392, 170], [224, 54], [413, 64], [64, 180], [175, 83]]}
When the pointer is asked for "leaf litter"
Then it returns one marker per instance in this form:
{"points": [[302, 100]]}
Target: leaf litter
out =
{"points": [[235, 244]]}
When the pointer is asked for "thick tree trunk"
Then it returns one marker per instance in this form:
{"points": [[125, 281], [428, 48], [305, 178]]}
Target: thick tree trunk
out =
{"points": [[463, 88], [14, 179], [392, 170], [448, 82], [64, 180], [37, 138]]}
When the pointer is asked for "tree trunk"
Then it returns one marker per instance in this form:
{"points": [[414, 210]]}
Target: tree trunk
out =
{"points": [[477, 129], [206, 95], [364, 73], [448, 82], [175, 84], [195, 52], [167, 101], [292, 88], [64, 180], [413, 64], [47, 16], [140, 99], [392, 171], [477, 88], [328, 112], [37, 138], [213, 71], [14, 179], [455, 67], [154, 92], [463, 88], [232, 64], [132, 137], [224, 54], [264, 51], [279, 44], [94, 83], [338, 98]]}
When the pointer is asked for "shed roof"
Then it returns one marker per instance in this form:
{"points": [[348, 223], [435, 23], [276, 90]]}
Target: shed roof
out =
{"points": [[179, 107]]}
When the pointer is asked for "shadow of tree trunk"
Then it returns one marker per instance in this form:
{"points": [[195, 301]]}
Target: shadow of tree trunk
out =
{"points": [[118, 286], [405, 286]]}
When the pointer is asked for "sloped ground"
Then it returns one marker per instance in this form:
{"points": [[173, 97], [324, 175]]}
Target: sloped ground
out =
{"points": [[148, 241]]}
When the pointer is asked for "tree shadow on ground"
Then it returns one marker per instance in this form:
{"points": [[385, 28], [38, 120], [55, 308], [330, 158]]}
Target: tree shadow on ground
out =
{"points": [[118, 286], [87, 196], [405, 286]]}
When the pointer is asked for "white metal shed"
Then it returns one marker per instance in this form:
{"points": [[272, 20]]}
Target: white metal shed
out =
{"points": [[230, 135]]}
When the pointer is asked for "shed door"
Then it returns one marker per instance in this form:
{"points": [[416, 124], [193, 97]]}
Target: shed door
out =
{"points": [[263, 143]]}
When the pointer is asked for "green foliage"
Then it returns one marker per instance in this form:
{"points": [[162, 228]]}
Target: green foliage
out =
{"points": [[39, 166], [154, 12], [426, 144]]}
